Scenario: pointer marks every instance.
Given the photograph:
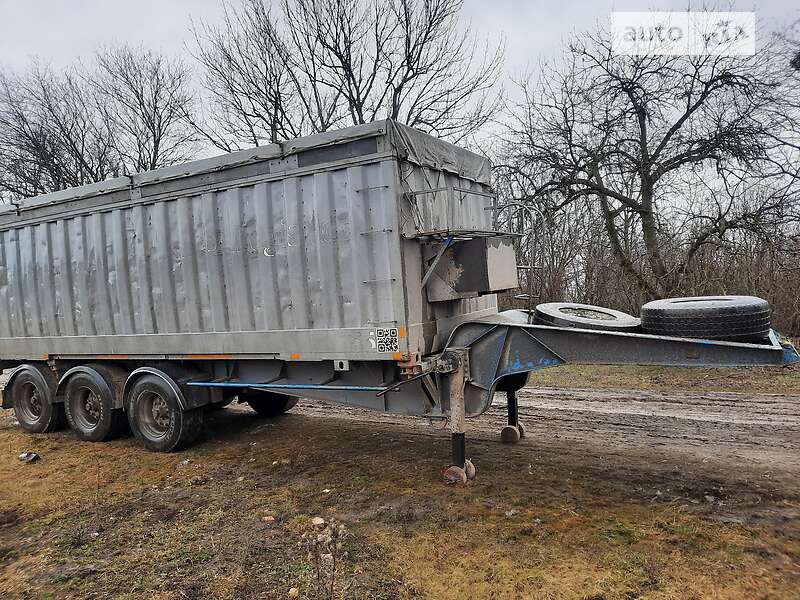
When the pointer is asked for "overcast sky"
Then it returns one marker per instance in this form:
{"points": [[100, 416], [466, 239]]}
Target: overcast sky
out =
{"points": [[59, 31]]}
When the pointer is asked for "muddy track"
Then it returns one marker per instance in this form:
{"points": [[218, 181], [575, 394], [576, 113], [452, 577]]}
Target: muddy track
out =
{"points": [[739, 453], [724, 427]]}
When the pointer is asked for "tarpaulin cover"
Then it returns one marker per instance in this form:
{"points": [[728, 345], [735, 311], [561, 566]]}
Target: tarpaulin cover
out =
{"points": [[428, 151], [408, 143]]}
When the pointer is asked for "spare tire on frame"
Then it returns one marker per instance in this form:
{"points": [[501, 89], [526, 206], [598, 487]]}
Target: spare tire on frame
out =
{"points": [[267, 403], [584, 316], [726, 318]]}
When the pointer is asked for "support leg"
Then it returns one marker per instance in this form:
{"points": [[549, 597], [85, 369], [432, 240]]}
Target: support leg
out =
{"points": [[513, 408], [512, 432], [513, 413], [458, 420], [461, 469], [459, 445]]}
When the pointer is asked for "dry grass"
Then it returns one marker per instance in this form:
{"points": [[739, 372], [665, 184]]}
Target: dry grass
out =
{"points": [[622, 551], [96, 521]]}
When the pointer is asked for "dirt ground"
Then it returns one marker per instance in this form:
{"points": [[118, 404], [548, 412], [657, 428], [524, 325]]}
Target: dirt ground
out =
{"points": [[630, 483]]}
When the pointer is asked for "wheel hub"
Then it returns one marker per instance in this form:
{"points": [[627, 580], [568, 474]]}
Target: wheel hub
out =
{"points": [[160, 413], [35, 403], [92, 406]]}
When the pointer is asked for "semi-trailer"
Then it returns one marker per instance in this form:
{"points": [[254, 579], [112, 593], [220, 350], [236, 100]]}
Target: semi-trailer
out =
{"points": [[356, 266]]}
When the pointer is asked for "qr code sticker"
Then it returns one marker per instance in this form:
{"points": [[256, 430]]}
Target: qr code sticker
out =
{"points": [[387, 339]]}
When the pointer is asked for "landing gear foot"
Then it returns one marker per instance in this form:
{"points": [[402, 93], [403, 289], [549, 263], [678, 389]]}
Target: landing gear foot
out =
{"points": [[455, 475], [510, 434], [469, 469]]}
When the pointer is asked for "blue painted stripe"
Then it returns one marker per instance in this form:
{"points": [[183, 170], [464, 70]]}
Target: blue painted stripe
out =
{"points": [[288, 386]]}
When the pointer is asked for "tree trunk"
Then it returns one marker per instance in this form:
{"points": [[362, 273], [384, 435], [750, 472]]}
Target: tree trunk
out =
{"points": [[651, 241]]}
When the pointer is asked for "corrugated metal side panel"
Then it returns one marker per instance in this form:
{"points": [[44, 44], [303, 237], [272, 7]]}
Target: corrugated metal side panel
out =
{"points": [[308, 252]]}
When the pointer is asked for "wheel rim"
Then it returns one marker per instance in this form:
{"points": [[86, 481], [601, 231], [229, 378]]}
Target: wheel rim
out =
{"points": [[153, 415], [30, 403], [86, 408], [588, 313]]}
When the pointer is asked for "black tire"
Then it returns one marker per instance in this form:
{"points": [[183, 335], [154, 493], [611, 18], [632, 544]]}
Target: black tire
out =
{"points": [[268, 404], [157, 419], [584, 316], [731, 318], [89, 406], [32, 395]]}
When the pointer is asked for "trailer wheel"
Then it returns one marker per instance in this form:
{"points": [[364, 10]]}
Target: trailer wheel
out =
{"points": [[584, 316], [268, 404], [34, 408], [89, 407], [732, 318], [157, 419]]}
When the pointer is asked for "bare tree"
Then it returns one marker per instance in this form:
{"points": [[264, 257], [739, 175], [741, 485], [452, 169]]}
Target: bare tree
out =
{"points": [[791, 40], [55, 132], [125, 113], [681, 150], [253, 93], [148, 98], [318, 64]]}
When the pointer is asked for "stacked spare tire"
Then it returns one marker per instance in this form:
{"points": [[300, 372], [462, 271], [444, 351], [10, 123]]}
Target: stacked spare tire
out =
{"points": [[732, 318], [584, 316], [725, 318]]}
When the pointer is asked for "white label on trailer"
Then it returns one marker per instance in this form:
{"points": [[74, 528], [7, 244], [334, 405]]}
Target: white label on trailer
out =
{"points": [[385, 339]]}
